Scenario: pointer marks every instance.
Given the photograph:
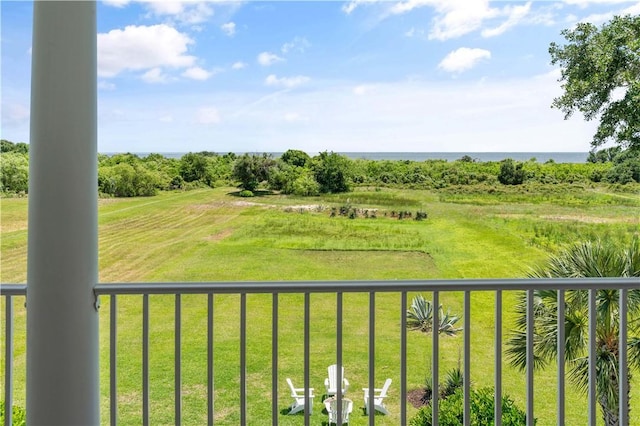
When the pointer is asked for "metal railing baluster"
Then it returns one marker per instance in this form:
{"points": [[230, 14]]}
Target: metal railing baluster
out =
{"points": [[145, 359], [467, 359], [593, 323], [403, 357], [435, 357], [339, 354], [372, 357], [8, 361], [178, 360], [561, 358], [274, 359], [243, 358], [498, 360], [529, 362], [307, 338], [623, 397], [210, 394], [113, 364]]}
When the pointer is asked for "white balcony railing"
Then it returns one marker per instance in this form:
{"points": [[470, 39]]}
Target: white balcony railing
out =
{"points": [[372, 288]]}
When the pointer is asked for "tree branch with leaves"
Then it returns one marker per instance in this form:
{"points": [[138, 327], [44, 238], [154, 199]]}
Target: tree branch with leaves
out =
{"points": [[601, 78]]}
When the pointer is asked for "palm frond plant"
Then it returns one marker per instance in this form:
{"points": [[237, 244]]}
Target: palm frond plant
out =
{"points": [[588, 259]]}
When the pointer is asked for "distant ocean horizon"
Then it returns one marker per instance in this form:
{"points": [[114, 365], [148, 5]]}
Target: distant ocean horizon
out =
{"points": [[540, 157]]}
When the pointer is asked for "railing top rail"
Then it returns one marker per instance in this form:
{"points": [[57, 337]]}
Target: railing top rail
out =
{"points": [[239, 287], [367, 286], [13, 289]]}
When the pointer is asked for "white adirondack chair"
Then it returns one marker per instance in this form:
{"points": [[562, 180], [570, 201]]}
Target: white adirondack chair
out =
{"points": [[331, 382], [298, 395], [331, 404], [379, 394]]}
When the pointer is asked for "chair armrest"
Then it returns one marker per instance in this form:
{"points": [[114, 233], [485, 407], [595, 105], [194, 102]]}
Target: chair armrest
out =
{"points": [[301, 390], [326, 382], [346, 382]]}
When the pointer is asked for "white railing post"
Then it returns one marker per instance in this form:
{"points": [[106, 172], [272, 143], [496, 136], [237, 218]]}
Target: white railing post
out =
{"points": [[62, 320]]}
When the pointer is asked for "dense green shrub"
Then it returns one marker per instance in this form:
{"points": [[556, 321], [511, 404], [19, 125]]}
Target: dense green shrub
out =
{"points": [[205, 167], [7, 146], [14, 172], [296, 157], [246, 193], [290, 179], [251, 169], [18, 415], [626, 167], [126, 180], [451, 410], [332, 172], [510, 173], [305, 185]]}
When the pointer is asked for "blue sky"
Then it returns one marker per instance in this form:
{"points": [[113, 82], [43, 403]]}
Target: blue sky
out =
{"points": [[362, 75]]}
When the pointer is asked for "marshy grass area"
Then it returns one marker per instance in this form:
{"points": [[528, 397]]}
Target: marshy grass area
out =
{"points": [[213, 235]]}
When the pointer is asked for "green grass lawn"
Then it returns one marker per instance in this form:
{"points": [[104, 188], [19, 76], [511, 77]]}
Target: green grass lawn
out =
{"points": [[212, 235]]}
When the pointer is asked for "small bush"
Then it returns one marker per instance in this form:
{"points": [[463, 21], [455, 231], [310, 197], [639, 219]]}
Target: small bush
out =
{"points": [[421, 215], [451, 410], [246, 193], [510, 173]]}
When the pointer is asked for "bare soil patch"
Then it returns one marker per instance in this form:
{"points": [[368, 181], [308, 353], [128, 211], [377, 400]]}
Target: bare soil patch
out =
{"points": [[220, 235], [417, 397]]}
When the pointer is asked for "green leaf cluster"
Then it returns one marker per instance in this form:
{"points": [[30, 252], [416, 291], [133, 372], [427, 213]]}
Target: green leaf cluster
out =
{"points": [[482, 410], [601, 77]]}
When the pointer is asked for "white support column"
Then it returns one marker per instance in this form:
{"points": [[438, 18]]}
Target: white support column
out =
{"points": [[62, 322]]}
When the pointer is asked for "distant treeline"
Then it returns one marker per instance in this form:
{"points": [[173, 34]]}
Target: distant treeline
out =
{"points": [[295, 172]]}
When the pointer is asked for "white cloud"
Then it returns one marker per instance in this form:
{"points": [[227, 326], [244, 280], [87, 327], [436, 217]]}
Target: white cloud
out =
{"points": [[168, 118], [116, 3], [601, 18], [413, 32], [287, 82], [183, 11], [463, 59], [293, 117], [155, 75], [267, 58], [455, 18], [187, 12], [363, 89], [408, 5], [197, 73], [106, 85], [585, 3], [353, 4], [142, 47], [208, 115], [299, 44], [229, 28], [515, 15], [238, 65]]}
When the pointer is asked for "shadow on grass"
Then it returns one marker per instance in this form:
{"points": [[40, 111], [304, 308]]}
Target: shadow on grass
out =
{"points": [[256, 193]]}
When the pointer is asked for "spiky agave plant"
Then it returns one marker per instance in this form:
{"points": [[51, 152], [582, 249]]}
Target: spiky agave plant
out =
{"points": [[420, 318]]}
